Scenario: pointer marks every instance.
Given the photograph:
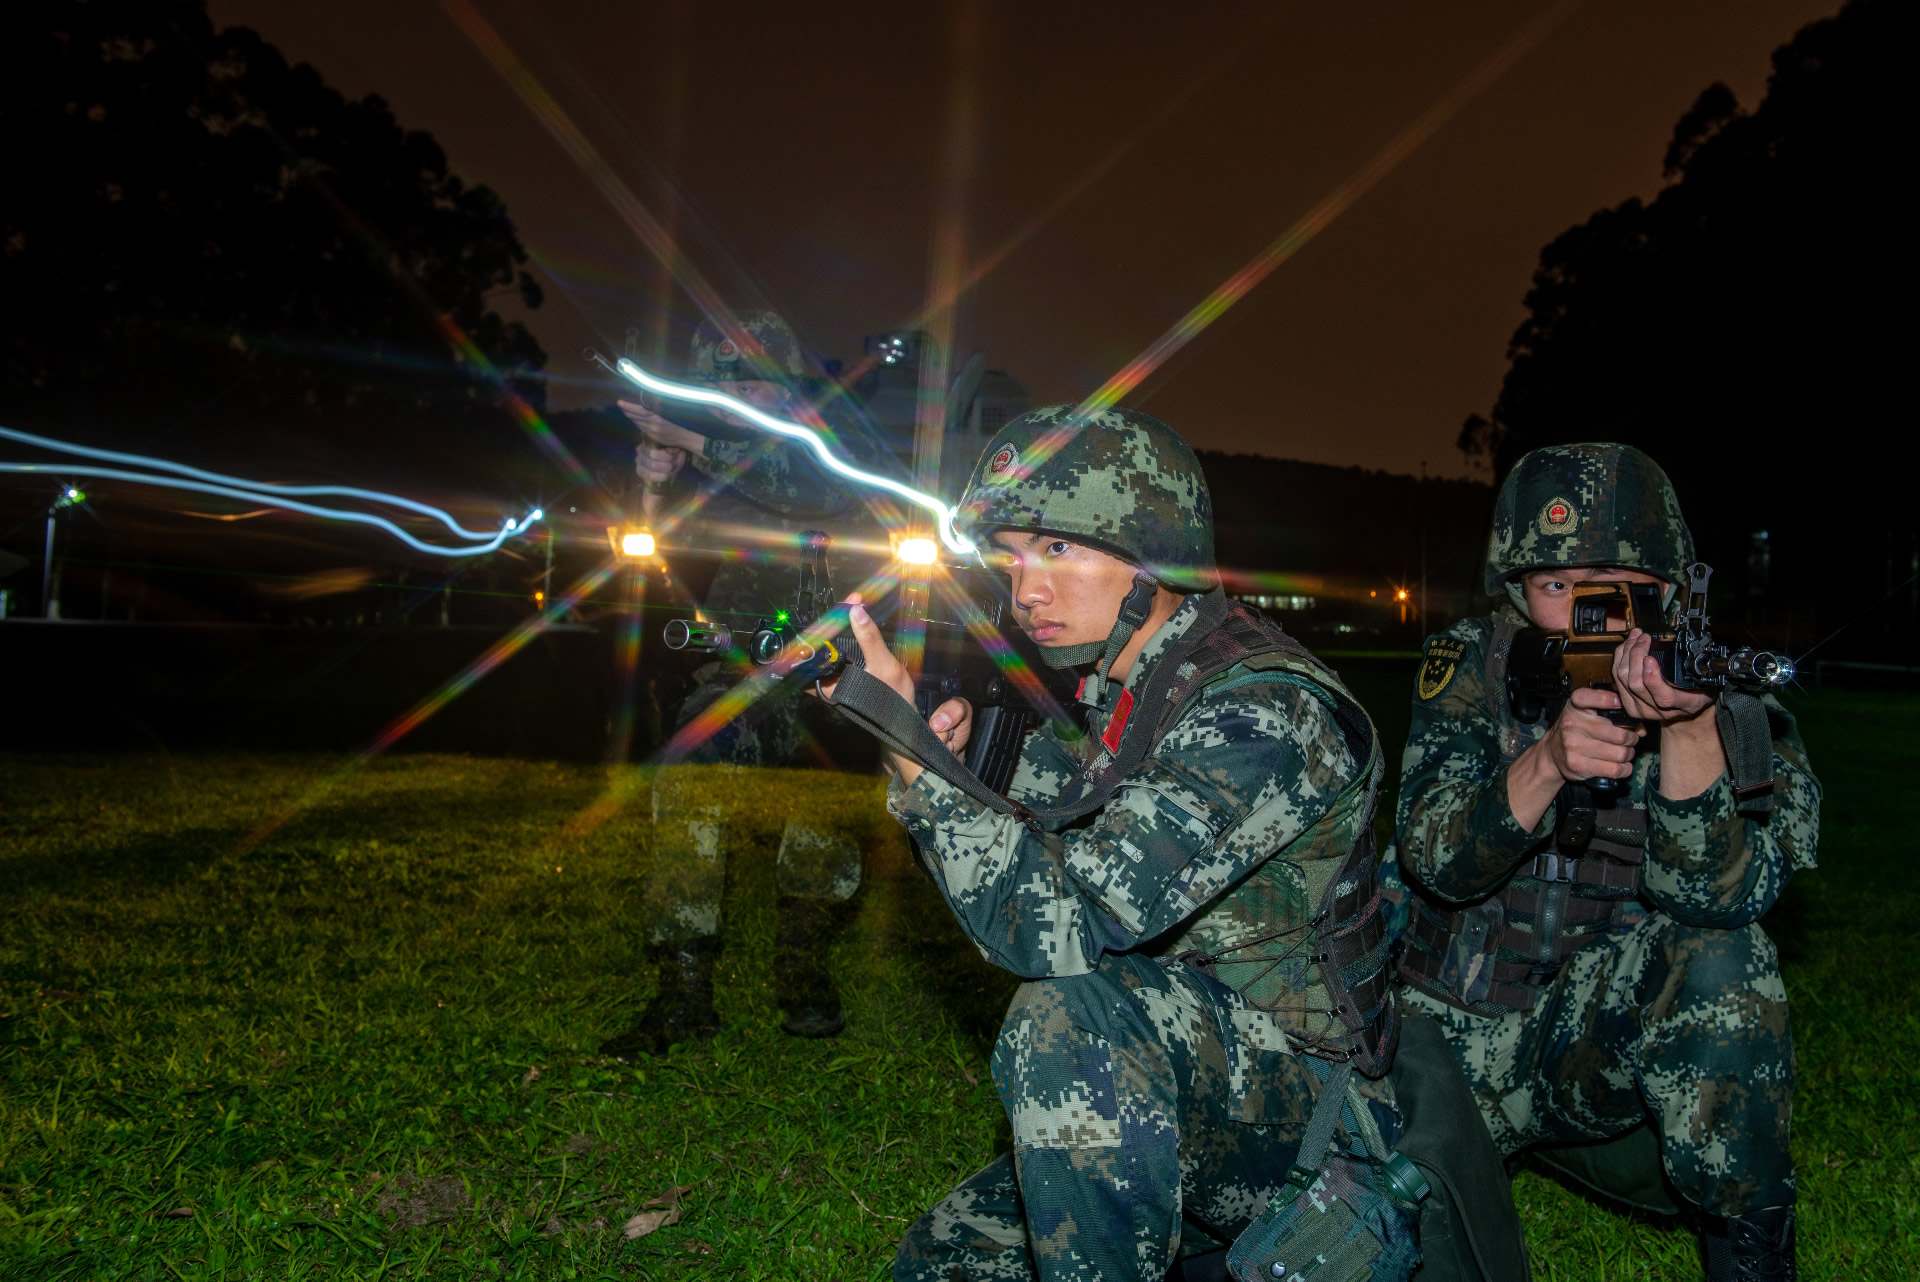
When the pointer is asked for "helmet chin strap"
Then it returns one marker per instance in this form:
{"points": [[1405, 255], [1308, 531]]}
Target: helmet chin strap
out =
{"points": [[1133, 612]]}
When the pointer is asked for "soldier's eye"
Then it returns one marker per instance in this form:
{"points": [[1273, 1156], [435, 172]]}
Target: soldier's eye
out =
{"points": [[1059, 547]]}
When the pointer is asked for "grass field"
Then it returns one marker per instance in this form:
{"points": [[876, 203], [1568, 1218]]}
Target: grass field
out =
{"points": [[262, 1018]]}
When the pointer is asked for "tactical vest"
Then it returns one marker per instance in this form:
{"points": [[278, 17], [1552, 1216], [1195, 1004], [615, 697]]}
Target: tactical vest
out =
{"points": [[1344, 943], [1327, 979], [1497, 955]]}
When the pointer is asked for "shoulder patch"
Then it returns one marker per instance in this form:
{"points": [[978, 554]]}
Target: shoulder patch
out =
{"points": [[1436, 669]]}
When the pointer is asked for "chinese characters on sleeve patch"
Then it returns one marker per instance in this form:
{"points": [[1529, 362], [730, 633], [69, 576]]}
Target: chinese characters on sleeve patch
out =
{"points": [[1436, 670]]}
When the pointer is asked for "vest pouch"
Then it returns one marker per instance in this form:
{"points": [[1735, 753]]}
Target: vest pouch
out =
{"points": [[1466, 965], [1344, 1227]]}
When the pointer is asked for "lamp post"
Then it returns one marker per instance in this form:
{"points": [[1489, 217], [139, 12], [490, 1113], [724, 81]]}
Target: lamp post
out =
{"points": [[49, 586]]}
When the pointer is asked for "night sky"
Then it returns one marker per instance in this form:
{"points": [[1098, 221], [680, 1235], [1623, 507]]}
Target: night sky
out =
{"points": [[806, 142]]}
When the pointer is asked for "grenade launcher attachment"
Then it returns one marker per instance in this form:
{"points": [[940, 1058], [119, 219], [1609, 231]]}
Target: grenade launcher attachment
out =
{"points": [[811, 642], [1544, 668]]}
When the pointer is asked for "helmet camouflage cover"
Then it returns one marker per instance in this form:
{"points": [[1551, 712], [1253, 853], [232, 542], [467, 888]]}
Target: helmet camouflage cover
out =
{"points": [[772, 352], [1118, 479], [1594, 504]]}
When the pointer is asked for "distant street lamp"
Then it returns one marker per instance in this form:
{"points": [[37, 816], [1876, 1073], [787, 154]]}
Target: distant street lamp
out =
{"points": [[49, 589]]}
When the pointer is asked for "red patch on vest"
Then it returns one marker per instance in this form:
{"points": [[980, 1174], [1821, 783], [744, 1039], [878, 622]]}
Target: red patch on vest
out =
{"points": [[1117, 725]]}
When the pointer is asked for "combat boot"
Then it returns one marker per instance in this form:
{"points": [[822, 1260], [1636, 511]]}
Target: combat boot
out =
{"points": [[809, 1002], [682, 1011], [1755, 1247]]}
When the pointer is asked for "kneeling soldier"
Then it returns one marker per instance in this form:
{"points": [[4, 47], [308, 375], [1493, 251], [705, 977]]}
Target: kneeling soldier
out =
{"points": [[1601, 967], [1188, 889]]}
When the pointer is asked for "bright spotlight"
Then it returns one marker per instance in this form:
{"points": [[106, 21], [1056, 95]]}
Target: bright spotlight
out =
{"points": [[637, 543], [918, 551]]}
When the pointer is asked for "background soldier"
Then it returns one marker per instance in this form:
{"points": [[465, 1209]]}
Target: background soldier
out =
{"points": [[753, 489], [1598, 969], [1179, 1023]]}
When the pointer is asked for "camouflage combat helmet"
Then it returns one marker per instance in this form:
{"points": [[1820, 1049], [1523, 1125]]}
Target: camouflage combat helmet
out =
{"points": [[1594, 504], [773, 353], [1120, 480]]}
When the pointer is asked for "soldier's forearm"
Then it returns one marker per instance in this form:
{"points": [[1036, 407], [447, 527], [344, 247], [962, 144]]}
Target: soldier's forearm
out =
{"points": [[1461, 839], [1533, 781], [1691, 757]]}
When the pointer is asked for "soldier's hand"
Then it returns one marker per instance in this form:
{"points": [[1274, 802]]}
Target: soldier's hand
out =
{"points": [[659, 431], [1583, 744], [952, 721], [881, 664], [1644, 693], [657, 465]]}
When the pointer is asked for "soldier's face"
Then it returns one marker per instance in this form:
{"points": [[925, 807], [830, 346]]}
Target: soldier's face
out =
{"points": [[771, 397], [1550, 592], [1064, 593]]}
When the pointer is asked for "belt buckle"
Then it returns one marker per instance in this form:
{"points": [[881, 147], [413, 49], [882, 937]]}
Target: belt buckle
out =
{"points": [[1555, 867]]}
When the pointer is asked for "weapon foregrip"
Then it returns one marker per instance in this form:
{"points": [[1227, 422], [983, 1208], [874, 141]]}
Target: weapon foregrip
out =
{"points": [[993, 750]]}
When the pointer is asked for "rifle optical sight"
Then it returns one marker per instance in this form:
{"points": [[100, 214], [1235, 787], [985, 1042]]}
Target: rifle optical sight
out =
{"points": [[1543, 668]]}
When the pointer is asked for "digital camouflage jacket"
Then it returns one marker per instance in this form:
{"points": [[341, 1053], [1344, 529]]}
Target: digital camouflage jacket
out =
{"points": [[1458, 842], [1221, 843]]}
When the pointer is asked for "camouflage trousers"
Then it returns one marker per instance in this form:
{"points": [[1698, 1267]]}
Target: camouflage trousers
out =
{"points": [[1152, 1113], [1683, 1025], [691, 800]]}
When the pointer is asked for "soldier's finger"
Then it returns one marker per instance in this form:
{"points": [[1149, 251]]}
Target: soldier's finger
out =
{"points": [[1598, 733], [880, 663], [1607, 750], [1593, 700], [1592, 725]]}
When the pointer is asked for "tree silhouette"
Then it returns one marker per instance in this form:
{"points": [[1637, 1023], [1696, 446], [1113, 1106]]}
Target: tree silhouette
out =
{"points": [[1745, 326], [190, 219]]}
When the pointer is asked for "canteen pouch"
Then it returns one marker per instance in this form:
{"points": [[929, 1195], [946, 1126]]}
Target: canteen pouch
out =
{"points": [[1342, 1228]]}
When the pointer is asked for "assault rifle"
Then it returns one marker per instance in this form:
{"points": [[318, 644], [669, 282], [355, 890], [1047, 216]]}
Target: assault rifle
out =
{"points": [[1545, 668], [811, 642]]}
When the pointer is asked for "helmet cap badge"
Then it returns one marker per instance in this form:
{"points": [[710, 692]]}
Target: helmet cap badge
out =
{"points": [[1558, 516], [1003, 460]]}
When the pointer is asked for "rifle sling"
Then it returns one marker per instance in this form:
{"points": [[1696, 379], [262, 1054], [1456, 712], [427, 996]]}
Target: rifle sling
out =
{"points": [[879, 710], [1748, 739], [898, 725]]}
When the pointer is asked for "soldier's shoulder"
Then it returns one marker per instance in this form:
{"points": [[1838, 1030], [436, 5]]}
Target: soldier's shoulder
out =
{"points": [[1453, 663], [1476, 632], [1262, 697]]}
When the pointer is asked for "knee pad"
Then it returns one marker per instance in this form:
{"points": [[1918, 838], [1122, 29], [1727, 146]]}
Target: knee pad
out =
{"points": [[1709, 963]]}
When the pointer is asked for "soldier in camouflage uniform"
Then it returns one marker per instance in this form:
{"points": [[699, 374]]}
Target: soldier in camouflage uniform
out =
{"points": [[1599, 968], [752, 488], [1160, 1064]]}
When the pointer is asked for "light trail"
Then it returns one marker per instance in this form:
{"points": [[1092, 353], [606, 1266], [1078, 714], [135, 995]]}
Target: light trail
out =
{"points": [[267, 495], [240, 482], [653, 383]]}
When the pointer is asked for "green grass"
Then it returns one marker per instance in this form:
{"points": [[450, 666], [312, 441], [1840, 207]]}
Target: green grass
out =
{"points": [[360, 1044]]}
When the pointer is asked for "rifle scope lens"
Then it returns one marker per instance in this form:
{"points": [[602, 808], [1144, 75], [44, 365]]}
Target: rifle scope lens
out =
{"points": [[767, 644]]}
